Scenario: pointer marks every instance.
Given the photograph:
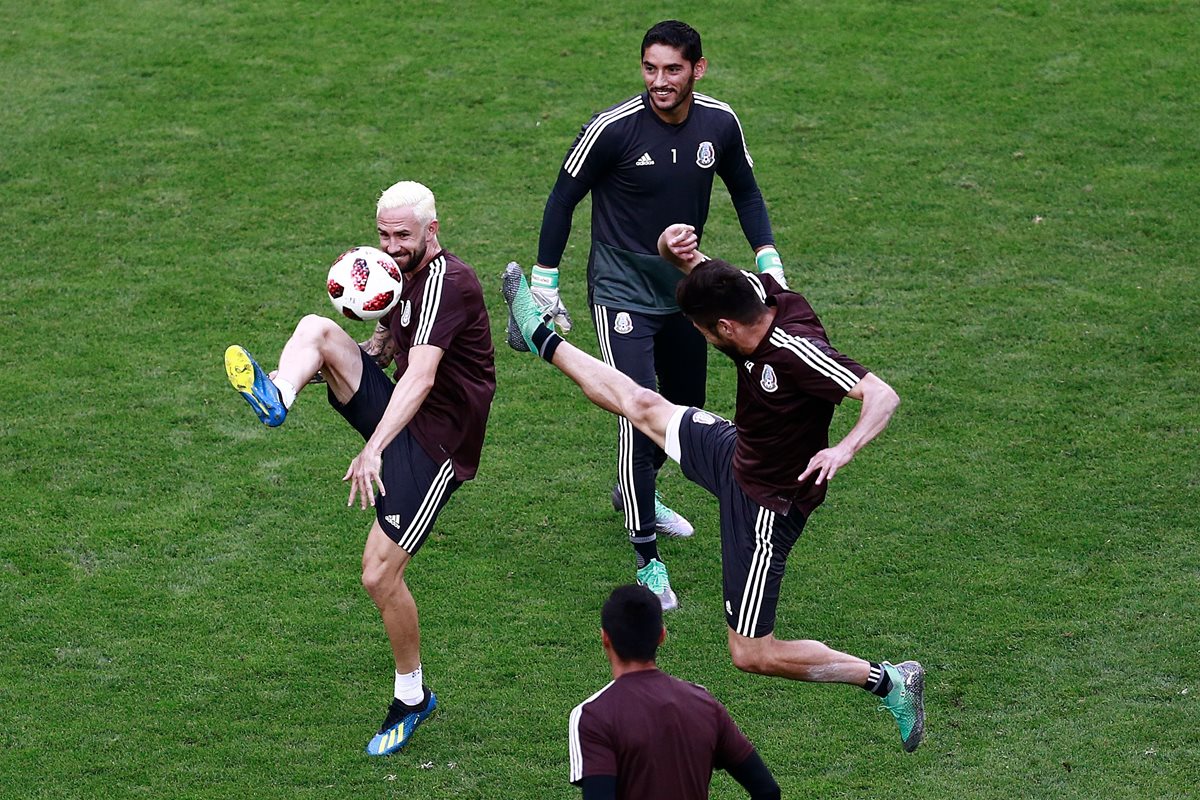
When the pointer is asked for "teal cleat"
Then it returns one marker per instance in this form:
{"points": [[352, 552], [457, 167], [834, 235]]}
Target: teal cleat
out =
{"points": [[524, 316], [654, 577], [400, 724], [249, 379], [906, 701]]}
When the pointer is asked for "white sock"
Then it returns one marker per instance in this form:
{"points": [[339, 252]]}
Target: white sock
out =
{"points": [[409, 688], [287, 392]]}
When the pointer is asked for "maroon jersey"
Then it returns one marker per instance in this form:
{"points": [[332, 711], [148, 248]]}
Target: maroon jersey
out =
{"points": [[787, 390], [660, 736], [442, 305]]}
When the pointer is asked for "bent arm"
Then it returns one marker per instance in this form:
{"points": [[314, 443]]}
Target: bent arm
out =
{"points": [[879, 403], [755, 778], [678, 246], [410, 392], [599, 787]]}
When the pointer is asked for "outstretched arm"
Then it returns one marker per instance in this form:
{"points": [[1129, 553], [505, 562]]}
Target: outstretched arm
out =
{"points": [[879, 402], [678, 244]]}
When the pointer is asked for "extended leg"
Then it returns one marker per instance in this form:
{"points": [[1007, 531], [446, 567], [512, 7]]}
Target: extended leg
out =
{"points": [[317, 344]]}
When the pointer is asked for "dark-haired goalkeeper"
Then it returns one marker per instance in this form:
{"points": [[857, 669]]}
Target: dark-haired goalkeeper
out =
{"points": [[648, 734], [769, 467]]}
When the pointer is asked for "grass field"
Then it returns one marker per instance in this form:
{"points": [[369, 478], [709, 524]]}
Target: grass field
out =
{"points": [[991, 204]]}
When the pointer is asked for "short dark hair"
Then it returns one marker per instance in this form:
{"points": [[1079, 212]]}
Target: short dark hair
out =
{"points": [[632, 618], [679, 35], [718, 290]]}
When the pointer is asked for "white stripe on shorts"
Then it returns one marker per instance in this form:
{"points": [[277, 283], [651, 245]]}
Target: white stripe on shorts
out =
{"points": [[422, 521], [756, 579]]}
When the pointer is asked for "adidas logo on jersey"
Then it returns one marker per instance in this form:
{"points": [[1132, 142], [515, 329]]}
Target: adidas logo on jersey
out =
{"points": [[645, 161]]}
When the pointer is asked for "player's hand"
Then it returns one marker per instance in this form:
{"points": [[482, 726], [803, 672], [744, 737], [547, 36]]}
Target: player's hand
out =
{"points": [[826, 463], [679, 244], [543, 285], [769, 263], [364, 476]]}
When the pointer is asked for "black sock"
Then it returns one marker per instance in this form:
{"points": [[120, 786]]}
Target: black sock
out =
{"points": [[879, 682], [645, 551], [546, 341]]}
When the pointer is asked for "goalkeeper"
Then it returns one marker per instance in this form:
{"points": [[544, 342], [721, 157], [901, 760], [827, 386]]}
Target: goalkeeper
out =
{"points": [[649, 161]]}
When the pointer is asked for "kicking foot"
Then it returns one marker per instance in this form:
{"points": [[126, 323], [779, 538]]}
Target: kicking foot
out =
{"points": [[252, 382], [906, 701], [524, 316]]}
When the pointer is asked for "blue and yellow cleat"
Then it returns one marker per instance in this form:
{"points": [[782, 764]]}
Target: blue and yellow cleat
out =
{"points": [[399, 725], [249, 379]]}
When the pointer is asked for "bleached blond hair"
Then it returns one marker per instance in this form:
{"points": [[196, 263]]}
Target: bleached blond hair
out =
{"points": [[409, 194]]}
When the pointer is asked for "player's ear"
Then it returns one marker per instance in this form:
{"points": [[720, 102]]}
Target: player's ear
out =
{"points": [[700, 68], [604, 640], [662, 635], [433, 229]]}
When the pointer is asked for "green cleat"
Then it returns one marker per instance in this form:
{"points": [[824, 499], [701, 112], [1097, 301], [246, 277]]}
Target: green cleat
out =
{"points": [[654, 577], [906, 701], [524, 316]]}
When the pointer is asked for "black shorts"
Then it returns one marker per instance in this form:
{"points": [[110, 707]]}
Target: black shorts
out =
{"points": [[417, 485], [755, 541]]}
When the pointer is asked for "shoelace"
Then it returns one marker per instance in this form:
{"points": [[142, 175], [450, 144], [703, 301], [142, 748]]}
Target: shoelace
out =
{"points": [[655, 578]]}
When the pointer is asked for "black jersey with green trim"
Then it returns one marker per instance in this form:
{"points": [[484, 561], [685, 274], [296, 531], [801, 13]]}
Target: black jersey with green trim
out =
{"points": [[786, 393], [645, 174]]}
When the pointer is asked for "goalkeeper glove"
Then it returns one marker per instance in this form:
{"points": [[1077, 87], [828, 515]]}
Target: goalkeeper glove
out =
{"points": [[769, 262], [544, 288]]}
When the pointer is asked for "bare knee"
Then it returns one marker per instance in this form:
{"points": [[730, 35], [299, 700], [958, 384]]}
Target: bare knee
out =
{"points": [[383, 565], [750, 655], [373, 579], [314, 327], [644, 406]]}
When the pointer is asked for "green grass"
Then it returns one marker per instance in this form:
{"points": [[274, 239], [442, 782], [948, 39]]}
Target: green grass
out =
{"points": [[990, 204]]}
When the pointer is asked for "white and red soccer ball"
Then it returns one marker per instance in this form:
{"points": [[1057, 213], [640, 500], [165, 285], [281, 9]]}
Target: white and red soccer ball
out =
{"points": [[364, 283]]}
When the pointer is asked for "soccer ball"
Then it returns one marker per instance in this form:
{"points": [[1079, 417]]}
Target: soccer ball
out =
{"points": [[364, 283]]}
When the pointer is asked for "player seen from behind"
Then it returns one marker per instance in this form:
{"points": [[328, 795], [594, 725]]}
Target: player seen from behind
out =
{"points": [[647, 734]]}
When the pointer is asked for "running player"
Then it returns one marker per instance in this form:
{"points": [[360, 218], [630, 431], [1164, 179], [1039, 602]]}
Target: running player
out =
{"points": [[423, 432], [650, 161]]}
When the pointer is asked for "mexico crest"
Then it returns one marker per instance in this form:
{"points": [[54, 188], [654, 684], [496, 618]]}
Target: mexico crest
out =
{"points": [[706, 155], [623, 323], [768, 381]]}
